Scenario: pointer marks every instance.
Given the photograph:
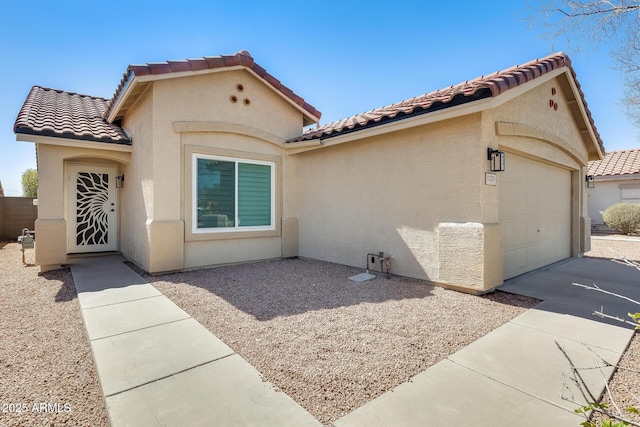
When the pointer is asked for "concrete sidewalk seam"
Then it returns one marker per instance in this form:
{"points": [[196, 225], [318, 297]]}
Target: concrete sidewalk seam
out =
{"points": [[170, 375], [139, 329], [542, 399], [123, 302], [586, 345]]}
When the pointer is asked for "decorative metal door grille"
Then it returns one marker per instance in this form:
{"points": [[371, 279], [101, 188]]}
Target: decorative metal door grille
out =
{"points": [[92, 196]]}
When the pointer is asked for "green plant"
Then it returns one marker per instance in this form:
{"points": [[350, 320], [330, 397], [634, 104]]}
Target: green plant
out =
{"points": [[602, 407], [623, 217], [30, 183]]}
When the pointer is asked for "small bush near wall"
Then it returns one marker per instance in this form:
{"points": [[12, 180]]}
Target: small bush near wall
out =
{"points": [[623, 217]]}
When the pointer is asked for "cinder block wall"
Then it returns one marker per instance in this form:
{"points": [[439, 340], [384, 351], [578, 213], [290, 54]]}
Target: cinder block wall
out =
{"points": [[16, 213]]}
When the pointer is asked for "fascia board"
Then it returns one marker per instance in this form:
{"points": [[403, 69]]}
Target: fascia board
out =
{"points": [[76, 143]]}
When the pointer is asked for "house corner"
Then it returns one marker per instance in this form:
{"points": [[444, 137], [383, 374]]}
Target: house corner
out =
{"points": [[50, 248], [470, 256], [166, 248]]}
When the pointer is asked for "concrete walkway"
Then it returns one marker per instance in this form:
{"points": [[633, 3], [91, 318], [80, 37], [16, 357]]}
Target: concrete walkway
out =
{"points": [[513, 375], [159, 367]]}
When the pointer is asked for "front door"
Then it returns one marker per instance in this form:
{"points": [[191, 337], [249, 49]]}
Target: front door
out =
{"points": [[92, 224]]}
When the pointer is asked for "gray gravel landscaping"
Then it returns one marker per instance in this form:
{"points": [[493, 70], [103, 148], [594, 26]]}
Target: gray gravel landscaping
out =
{"points": [[625, 384], [329, 343], [47, 372]]}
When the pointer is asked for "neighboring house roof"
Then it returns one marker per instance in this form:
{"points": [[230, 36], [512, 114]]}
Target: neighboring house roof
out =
{"points": [[139, 75], [51, 112], [471, 90], [624, 162]]}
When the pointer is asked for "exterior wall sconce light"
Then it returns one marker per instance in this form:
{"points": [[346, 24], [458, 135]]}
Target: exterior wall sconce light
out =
{"points": [[119, 181], [591, 182], [496, 160]]}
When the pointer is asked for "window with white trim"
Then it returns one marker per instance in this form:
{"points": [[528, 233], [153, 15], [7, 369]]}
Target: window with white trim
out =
{"points": [[232, 194]]}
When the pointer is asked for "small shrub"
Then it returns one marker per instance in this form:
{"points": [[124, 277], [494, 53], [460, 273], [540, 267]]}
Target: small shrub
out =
{"points": [[623, 217]]}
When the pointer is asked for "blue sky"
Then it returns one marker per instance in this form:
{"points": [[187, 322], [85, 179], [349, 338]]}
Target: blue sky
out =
{"points": [[343, 57]]}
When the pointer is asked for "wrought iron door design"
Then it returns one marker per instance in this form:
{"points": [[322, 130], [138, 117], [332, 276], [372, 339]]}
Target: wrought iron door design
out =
{"points": [[92, 197], [91, 203]]}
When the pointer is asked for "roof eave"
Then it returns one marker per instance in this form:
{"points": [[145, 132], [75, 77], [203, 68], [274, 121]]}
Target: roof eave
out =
{"points": [[596, 152], [308, 118], [464, 109], [119, 101], [71, 141], [589, 134], [617, 177]]}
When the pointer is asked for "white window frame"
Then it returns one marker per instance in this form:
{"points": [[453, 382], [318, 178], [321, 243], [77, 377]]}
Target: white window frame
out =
{"points": [[236, 228]]}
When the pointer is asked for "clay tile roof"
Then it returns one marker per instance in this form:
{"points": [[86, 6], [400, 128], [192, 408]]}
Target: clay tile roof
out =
{"points": [[50, 112], [623, 162], [242, 58], [482, 87]]}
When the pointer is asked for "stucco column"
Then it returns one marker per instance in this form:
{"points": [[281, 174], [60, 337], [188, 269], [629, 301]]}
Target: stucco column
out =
{"points": [[51, 226], [470, 255]]}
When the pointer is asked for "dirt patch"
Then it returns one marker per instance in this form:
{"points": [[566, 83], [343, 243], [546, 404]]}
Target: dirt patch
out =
{"points": [[329, 343]]}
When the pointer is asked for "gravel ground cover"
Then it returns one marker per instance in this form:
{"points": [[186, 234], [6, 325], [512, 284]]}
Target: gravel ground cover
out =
{"points": [[625, 384], [329, 343], [47, 375]]}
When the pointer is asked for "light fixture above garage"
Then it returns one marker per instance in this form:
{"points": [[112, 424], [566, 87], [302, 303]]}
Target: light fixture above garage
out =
{"points": [[590, 180], [496, 160]]}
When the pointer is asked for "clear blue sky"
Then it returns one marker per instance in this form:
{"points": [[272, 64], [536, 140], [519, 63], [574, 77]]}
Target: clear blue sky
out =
{"points": [[343, 57]]}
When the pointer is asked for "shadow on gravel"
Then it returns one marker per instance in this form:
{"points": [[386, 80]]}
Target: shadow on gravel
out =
{"points": [[67, 291], [270, 289]]}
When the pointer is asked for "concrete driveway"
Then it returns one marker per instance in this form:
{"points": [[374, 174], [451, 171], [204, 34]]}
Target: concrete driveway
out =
{"points": [[554, 284], [514, 374]]}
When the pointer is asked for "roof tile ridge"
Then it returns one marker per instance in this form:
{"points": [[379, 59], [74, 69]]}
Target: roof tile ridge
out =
{"points": [[241, 58], [66, 92], [497, 82]]}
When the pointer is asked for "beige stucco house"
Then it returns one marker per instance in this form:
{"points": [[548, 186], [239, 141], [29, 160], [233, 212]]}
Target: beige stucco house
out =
{"points": [[205, 162], [614, 179]]}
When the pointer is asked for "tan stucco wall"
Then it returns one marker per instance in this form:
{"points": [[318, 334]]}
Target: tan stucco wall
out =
{"points": [[137, 193], [416, 194], [470, 255], [177, 117], [420, 194], [236, 246], [389, 193], [51, 225], [540, 124]]}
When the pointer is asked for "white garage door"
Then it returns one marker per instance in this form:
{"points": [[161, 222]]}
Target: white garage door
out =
{"points": [[535, 213]]}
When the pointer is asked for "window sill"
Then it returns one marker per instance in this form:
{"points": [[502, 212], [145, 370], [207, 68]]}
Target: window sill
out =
{"points": [[227, 235]]}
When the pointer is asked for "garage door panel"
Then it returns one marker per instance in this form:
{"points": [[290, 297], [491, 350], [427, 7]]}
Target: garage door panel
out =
{"points": [[509, 232], [535, 213]]}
